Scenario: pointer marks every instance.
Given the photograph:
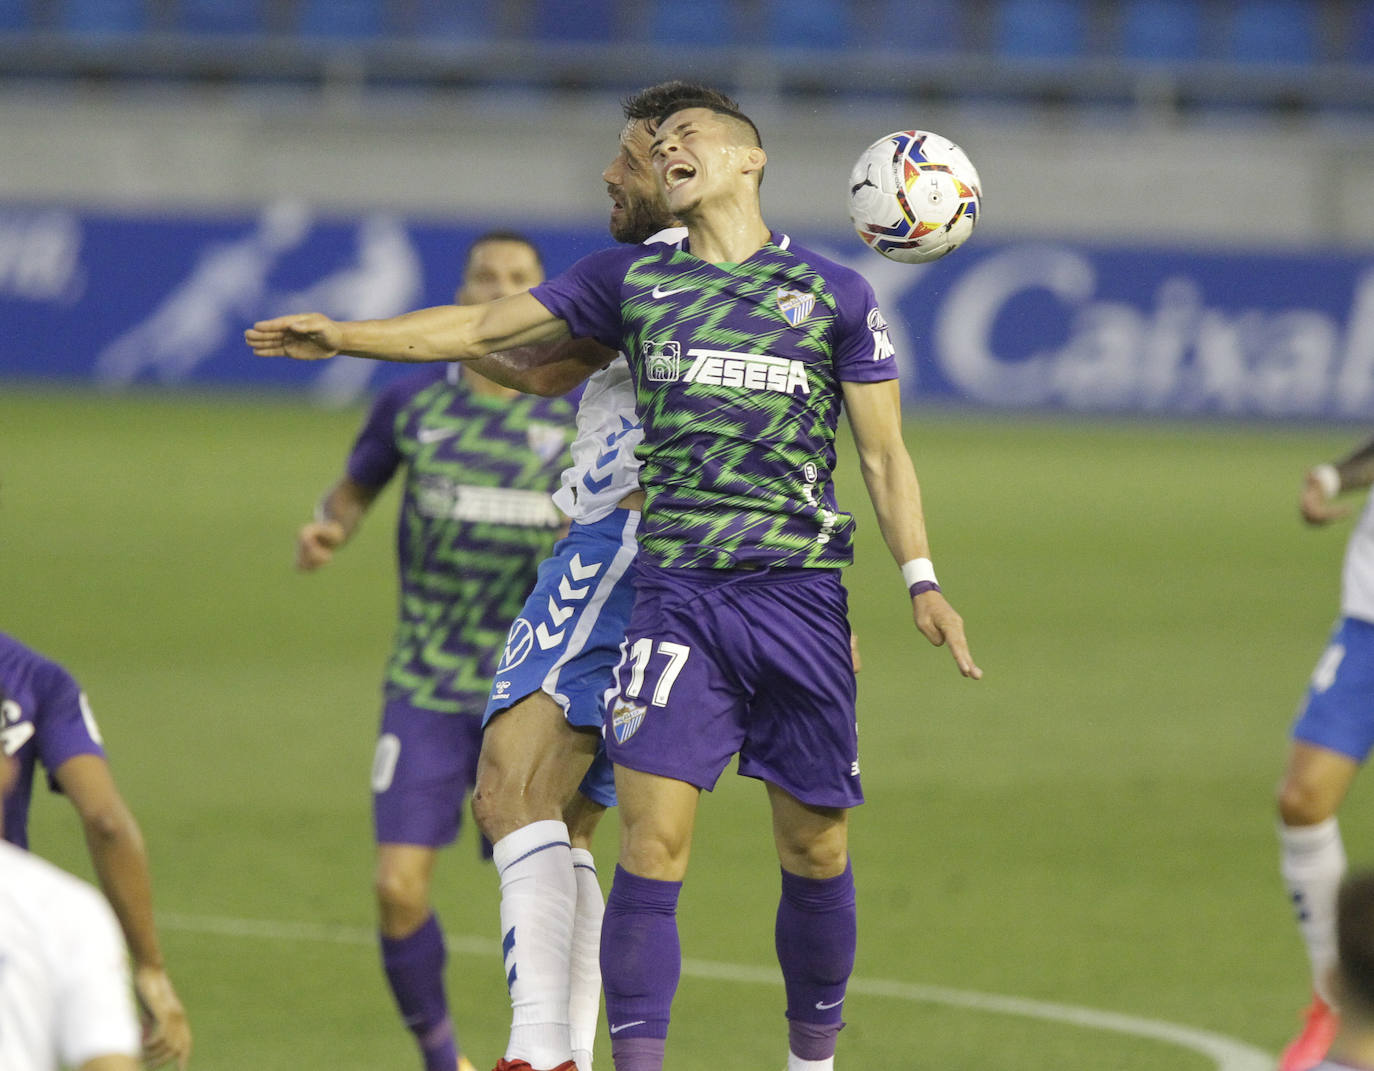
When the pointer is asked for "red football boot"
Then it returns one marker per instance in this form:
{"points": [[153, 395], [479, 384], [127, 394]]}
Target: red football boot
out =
{"points": [[1308, 1049]]}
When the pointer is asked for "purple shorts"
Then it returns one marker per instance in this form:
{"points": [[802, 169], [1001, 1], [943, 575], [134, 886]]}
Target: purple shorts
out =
{"points": [[422, 771], [719, 662]]}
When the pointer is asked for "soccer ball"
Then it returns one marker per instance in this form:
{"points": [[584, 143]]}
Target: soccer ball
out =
{"points": [[913, 196]]}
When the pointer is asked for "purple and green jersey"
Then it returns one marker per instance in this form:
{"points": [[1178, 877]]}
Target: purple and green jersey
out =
{"points": [[476, 519], [44, 718], [737, 371]]}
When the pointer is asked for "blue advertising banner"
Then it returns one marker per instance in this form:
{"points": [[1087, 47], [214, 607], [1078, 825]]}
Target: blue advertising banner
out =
{"points": [[120, 301]]}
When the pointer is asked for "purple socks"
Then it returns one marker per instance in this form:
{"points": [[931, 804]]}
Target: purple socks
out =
{"points": [[816, 935], [641, 962], [414, 968]]}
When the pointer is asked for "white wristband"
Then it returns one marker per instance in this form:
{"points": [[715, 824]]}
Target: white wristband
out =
{"points": [[919, 576], [1328, 479]]}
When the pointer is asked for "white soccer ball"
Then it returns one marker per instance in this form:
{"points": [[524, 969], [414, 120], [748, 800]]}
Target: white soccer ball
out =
{"points": [[914, 196]]}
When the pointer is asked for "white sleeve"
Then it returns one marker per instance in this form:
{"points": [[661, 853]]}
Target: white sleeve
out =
{"points": [[95, 1014]]}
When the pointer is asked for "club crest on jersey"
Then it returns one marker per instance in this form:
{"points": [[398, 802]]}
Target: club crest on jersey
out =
{"points": [[662, 361], [546, 440], [795, 305], [626, 719]]}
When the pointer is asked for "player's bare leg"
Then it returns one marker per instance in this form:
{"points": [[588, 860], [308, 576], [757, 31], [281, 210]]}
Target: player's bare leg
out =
{"points": [[641, 956], [531, 764], [413, 951], [1312, 860], [816, 928]]}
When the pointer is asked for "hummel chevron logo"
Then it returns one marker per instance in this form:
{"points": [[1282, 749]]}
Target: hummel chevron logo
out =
{"points": [[580, 571], [546, 638], [558, 614], [659, 292], [568, 592], [626, 1026]]}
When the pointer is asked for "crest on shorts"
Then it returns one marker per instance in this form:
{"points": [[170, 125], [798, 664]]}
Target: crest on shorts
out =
{"points": [[626, 719], [795, 305]]}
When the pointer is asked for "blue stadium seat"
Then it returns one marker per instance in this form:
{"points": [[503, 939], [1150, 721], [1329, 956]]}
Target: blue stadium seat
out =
{"points": [[15, 16], [807, 24], [928, 27], [1041, 29], [1162, 30], [347, 19], [1272, 31], [705, 23], [103, 16], [465, 20], [574, 20], [221, 16], [1360, 44]]}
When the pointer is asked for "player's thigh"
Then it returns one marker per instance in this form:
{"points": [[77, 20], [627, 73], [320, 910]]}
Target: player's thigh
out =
{"points": [[657, 820], [675, 709], [532, 744], [422, 768], [811, 841], [567, 638], [1337, 712], [1314, 784], [801, 732]]}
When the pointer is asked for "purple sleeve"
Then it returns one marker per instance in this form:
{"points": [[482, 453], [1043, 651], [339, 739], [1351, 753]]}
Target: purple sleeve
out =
{"points": [[375, 456], [863, 349], [587, 296], [63, 724]]}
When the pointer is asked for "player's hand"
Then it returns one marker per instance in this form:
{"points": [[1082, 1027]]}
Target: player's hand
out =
{"points": [[316, 543], [1315, 506], [306, 337], [941, 625], [854, 658], [166, 1031]]}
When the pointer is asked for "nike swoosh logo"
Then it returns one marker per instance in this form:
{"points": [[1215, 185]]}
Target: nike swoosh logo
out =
{"points": [[832, 1004], [626, 1026], [659, 292], [434, 435]]}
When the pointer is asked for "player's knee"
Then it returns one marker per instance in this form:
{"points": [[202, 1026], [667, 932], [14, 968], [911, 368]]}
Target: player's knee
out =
{"points": [[1302, 804], [402, 899]]}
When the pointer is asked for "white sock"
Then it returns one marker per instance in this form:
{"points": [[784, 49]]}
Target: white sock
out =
{"points": [[796, 1063], [584, 1003], [538, 900], [1312, 861]]}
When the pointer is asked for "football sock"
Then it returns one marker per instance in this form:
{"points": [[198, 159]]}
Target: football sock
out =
{"points": [[538, 898], [641, 962], [584, 1003], [638, 1054], [815, 936], [1312, 860], [414, 968]]}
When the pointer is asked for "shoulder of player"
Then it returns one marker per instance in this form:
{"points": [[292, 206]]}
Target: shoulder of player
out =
{"points": [[834, 273], [44, 673]]}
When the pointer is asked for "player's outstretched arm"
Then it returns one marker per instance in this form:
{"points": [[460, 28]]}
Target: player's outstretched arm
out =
{"points": [[548, 370], [441, 333], [1323, 483], [117, 852], [336, 518], [875, 415]]}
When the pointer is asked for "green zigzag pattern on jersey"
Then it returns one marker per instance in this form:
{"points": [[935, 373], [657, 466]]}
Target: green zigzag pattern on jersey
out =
{"points": [[519, 464], [705, 516]]}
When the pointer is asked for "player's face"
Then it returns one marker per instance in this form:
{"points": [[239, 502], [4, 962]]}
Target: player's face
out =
{"points": [[497, 270], [695, 154], [637, 208]]}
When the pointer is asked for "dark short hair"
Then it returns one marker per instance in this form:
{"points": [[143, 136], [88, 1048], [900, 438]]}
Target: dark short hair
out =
{"points": [[709, 105], [1355, 936], [502, 236], [648, 104]]}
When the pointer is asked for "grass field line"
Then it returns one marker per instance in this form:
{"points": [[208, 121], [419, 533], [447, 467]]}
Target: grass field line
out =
{"points": [[1229, 1054]]}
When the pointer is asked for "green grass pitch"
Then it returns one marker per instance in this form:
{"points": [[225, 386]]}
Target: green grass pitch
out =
{"points": [[1091, 825]]}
